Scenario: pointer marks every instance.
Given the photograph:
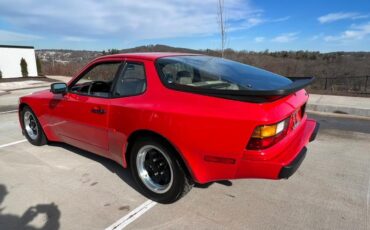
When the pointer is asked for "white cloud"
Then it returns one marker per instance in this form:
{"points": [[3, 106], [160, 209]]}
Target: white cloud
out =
{"points": [[259, 39], [317, 37], [283, 19], [284, 38], [254, 21], [356, 32], [332, 17], [77, 39], [127, 19], [10, 36]]}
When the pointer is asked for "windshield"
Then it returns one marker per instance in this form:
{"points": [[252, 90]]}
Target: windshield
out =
{"points": [[216, 73]]}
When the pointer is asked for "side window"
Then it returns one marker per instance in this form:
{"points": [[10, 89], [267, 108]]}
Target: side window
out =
{"points": [[178, 73], [131, 81], [98, 80]]}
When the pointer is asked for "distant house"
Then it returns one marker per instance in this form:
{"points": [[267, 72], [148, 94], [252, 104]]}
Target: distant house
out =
{"points": [[10, 59]]}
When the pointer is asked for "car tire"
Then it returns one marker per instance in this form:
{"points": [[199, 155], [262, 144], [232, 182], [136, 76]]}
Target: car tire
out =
{"points": [[31, 127], [157, 170]]}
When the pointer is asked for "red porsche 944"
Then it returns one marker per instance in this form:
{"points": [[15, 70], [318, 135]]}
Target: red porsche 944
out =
{"points": [[175, 119]]}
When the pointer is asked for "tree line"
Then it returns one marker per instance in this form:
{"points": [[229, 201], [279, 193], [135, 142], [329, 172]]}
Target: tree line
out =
{"points": [[335, 65]]}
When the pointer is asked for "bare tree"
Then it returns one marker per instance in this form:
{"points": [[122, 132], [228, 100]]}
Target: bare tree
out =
{"points": [[222, 24]]}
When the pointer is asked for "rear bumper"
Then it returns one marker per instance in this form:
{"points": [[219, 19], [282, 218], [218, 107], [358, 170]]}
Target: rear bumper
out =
{"points": [[290, 169], [287, 159], [315, 131]]}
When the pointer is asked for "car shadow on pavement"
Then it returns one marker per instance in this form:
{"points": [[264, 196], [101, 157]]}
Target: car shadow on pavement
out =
{"points": [[117, 169], [222, 182], [12, 221], [111, 165]]}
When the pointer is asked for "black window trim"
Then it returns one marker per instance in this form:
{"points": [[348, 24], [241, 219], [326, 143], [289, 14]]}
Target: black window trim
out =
{"points": [[123, 70], [81, 75], [122, 66]]}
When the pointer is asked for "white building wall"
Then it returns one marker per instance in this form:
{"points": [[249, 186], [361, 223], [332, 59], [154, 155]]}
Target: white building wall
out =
{"points": [[10, 61]]}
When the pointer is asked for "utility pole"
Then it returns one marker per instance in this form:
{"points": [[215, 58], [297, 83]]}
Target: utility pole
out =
{"points": [[222, 26]]}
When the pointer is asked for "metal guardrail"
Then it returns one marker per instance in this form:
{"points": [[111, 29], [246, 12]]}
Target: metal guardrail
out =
{"points": [[342, 85]]}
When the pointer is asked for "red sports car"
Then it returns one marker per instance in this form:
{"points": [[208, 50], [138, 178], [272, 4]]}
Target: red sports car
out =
{"points": [[175, 119]]}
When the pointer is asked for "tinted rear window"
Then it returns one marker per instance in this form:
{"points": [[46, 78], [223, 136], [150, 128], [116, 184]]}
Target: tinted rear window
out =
{"points": [[216, 73]]}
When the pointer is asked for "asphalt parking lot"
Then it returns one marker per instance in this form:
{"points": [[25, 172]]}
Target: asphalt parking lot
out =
{"points": [[61, 187]]}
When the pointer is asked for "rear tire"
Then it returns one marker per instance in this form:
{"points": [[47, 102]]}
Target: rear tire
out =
{"points": [[157, 171], [31, 127]]}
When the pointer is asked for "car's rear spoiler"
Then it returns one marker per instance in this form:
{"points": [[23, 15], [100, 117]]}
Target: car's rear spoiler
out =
{"points": [[297, 84], [257, 96]]}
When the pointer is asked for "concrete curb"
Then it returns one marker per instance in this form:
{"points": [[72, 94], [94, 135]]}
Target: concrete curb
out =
{"points": [[8, 87], [34, 87], [57, 78], [358, 106], [339, 109]]}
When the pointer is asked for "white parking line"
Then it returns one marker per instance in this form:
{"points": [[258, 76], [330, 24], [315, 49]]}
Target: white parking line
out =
{"points": [[124, 221], [367, 205], [10, 111], [12, 143], [132, 216]]}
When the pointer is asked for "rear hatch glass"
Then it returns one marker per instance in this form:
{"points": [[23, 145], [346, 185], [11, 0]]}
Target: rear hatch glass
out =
{"points": [[204, 72]]}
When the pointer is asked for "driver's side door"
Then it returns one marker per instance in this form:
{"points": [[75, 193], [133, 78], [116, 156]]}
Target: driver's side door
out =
{"points": [[83, 111]]}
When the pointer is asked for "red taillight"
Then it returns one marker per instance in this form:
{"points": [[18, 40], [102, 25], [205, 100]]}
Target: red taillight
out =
{"points": [[265, 136], [259, 143]]}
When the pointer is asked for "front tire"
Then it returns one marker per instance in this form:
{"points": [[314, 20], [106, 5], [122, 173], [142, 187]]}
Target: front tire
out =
{"points": [[32, 128], [157, 170]]}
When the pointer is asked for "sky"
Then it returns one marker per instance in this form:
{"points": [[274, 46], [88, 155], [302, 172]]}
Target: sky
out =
{"points": [[315, 25]]}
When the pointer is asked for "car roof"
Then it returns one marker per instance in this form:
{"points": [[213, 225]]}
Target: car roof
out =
{"points": [[152, 56]]}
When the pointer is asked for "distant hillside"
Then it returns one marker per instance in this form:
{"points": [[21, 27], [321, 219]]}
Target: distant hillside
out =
{"points": [[331, 69], [84, 56], [288, 63], [159, 48]]}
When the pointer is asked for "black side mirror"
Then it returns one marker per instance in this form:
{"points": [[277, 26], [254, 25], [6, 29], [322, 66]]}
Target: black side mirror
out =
{"points": [[58, 88]]}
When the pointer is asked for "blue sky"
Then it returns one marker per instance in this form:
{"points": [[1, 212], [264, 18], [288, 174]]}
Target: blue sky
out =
{"points": [[317, 25]]}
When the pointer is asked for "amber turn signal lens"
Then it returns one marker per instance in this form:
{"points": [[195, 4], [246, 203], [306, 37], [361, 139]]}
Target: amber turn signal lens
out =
{"points": [[265, 131], [265, 136]]}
